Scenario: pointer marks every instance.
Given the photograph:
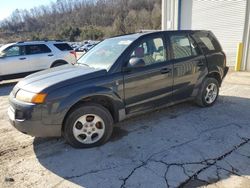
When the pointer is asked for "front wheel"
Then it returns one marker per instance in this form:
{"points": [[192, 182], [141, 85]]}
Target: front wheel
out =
{"points": [[208, 93], [87, 126]]}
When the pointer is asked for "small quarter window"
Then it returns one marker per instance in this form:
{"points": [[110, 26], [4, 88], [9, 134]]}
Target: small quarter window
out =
{"points": [[208, 43], [63, 46]]}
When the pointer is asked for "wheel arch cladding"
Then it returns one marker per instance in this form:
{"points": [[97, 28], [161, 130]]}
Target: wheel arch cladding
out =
{"points": [[58, 62], [215, 75], [109, 100]]}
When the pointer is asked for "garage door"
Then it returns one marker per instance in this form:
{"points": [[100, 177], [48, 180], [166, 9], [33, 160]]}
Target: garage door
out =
{"points": [[225, 18]]}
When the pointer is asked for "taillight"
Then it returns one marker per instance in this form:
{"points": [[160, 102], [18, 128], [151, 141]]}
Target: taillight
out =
{"points": [[73, 52]]}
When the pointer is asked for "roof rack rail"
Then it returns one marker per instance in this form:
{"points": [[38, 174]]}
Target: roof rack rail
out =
{"points": [[147, 30], [122, 35], [139, 31], [40, 41], [52, 40]]}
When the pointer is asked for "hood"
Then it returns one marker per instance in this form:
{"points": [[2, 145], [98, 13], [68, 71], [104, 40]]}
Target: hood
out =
{"points": [[60, 75]]}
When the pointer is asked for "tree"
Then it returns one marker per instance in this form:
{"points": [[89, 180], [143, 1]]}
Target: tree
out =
{"points": [[144, 19], [82, 19], [131, 22], [70, 33], [91, 32], [118, 26], [156, 17]]}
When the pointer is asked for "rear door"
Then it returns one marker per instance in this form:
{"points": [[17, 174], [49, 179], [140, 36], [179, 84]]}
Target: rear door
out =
{"points": [[189, 66], [211, 48], [149, 86], [14, 61], [39, 56]]}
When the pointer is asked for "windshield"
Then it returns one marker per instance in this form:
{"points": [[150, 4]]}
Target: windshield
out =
{"points": [[104, 55], [2, 48]]}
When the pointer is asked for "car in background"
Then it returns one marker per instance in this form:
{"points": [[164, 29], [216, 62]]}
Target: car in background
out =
{"points": [[85, 48], [23, 58]]}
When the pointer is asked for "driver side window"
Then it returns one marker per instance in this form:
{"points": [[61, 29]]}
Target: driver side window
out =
{"points": [[13, 51], [151, 51]]}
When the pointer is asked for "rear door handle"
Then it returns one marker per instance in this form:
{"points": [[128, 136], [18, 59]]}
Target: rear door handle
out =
{"points": [[51, 55], [165, 70], [22, 58], [200, 64]]}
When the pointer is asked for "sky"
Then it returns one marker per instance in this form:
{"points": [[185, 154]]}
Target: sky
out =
{"points": [[8, 6]]}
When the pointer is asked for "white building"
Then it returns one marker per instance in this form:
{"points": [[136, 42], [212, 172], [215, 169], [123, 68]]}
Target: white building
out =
{"points": [[227, 19]]}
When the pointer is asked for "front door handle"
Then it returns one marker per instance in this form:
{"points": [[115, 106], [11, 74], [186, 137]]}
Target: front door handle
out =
{"points": [[22, 58], [200, 64], [51, 55], [165, 70]]}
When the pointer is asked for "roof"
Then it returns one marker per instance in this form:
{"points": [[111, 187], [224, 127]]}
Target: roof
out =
{"points": [[39, 41], [134, 36]]}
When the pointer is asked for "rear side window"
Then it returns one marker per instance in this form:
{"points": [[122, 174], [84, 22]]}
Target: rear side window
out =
{"points": [[63, 46], [37, 49], [207, 42], [182, 47]]}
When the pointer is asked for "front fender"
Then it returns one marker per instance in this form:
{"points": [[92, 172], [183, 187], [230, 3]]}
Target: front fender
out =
{"points": [[58, 109]]}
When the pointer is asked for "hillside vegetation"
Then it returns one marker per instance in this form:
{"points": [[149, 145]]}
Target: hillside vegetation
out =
{"points": [[77, 20]]}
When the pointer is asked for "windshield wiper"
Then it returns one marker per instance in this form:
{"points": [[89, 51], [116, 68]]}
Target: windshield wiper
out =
{"points": [[83, 64]]}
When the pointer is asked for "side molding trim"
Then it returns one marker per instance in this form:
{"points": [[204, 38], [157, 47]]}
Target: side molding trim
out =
{"points": [[122, 114]]}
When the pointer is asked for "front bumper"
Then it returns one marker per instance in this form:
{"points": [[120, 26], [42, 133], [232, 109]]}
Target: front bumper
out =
{"points": [[27, 118]]}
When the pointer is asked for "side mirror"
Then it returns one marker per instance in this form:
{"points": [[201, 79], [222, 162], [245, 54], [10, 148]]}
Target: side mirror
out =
{"points": [[136, 62]]}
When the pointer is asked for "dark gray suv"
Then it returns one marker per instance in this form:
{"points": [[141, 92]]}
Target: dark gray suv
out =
{"points": [[120, 77]]}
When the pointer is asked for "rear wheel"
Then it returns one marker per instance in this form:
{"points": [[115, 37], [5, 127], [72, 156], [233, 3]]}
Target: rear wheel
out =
{"points": [[59, 63], [208, 93], [88, 126]]}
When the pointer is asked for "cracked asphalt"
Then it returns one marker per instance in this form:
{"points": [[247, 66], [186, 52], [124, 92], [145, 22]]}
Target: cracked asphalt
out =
{"points": [[179, 146]]}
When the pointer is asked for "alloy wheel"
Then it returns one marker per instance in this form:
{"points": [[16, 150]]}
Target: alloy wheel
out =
{"points": [[89, 128], [211, 93]]}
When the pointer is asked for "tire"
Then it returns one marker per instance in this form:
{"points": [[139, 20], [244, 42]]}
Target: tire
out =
{"points": [[82, 130], [57, 64], [208, 93]]}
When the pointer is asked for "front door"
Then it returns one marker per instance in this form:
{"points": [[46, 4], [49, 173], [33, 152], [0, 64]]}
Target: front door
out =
{"points": [[148, 86], [14, 61]]}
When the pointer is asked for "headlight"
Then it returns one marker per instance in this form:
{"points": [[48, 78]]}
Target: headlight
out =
{"points": [[25, 96]]}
